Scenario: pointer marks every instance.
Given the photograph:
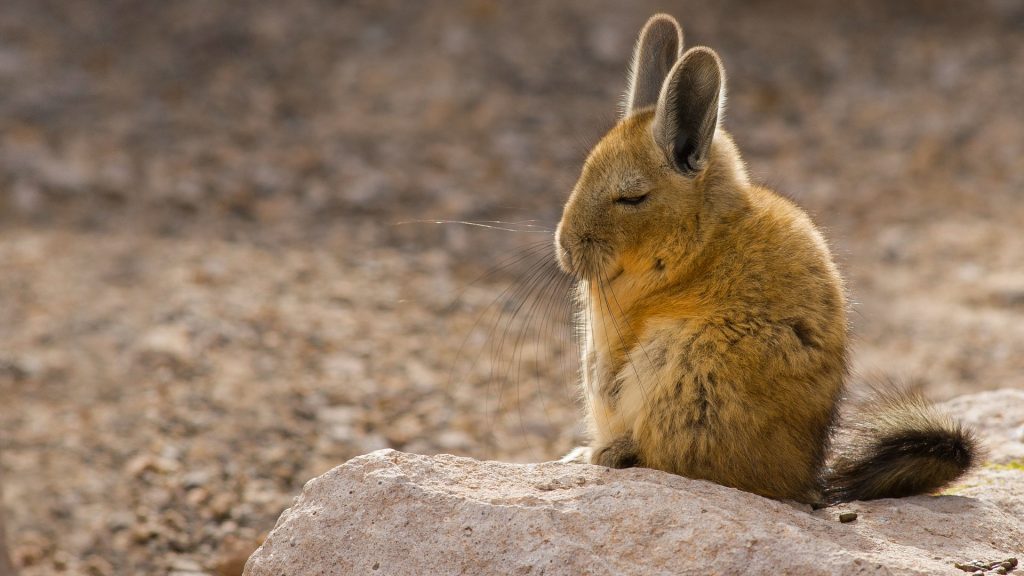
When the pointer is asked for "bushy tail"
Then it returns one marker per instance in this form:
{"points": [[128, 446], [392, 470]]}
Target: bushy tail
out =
{"points": [[898, 445]]}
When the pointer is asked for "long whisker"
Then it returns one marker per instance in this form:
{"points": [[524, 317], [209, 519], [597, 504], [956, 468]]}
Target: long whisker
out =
{"points": [[558, 322], [557, 300], [528, 251], [546, 276], [513, 369], [518, 298], [551, 278], [503, 226], [526, 254]]}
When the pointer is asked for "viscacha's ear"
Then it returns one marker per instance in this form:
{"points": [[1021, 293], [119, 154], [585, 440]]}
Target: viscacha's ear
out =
{"points": [[659, 46], [688, 109]]}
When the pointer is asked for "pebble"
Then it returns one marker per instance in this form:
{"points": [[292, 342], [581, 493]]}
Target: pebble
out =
{"points": [[185, 565], [845, 517], [195, 479], [170, 342], [197, 496], [220, 505], [982, 567]]}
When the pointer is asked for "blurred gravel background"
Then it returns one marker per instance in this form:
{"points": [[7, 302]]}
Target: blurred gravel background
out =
{"points": [[213, 286]]}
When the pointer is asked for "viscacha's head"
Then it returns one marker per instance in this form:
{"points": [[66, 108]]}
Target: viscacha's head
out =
{"points": [[637, 207]]}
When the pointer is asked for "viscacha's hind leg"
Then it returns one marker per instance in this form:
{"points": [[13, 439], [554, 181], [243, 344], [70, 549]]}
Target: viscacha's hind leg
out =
{"points": [[619, 453]]}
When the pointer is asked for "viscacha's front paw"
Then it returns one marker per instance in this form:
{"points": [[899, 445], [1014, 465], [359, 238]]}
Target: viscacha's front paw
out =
{"points": [[578, 455]]}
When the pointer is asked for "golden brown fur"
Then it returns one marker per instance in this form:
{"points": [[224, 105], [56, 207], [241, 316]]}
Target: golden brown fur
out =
{"points": [[714, 319]]}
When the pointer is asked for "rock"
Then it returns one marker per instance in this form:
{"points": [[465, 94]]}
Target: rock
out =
{"points": [[186, 567], [166, 344], [394, 513], [845, 517], [998, 416]]}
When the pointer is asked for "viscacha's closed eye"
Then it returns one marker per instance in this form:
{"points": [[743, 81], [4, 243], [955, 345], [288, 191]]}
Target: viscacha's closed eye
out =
{"points": [[631, 200]]}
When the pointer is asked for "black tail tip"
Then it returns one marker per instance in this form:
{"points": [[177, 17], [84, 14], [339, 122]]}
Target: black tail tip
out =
{"points": [[921, 457]]}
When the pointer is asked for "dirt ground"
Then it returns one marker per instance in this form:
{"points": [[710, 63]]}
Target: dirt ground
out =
{"points": [[218, 275]]}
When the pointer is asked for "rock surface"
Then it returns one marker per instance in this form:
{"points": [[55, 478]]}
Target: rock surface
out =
{"points": [[390, 512]]}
